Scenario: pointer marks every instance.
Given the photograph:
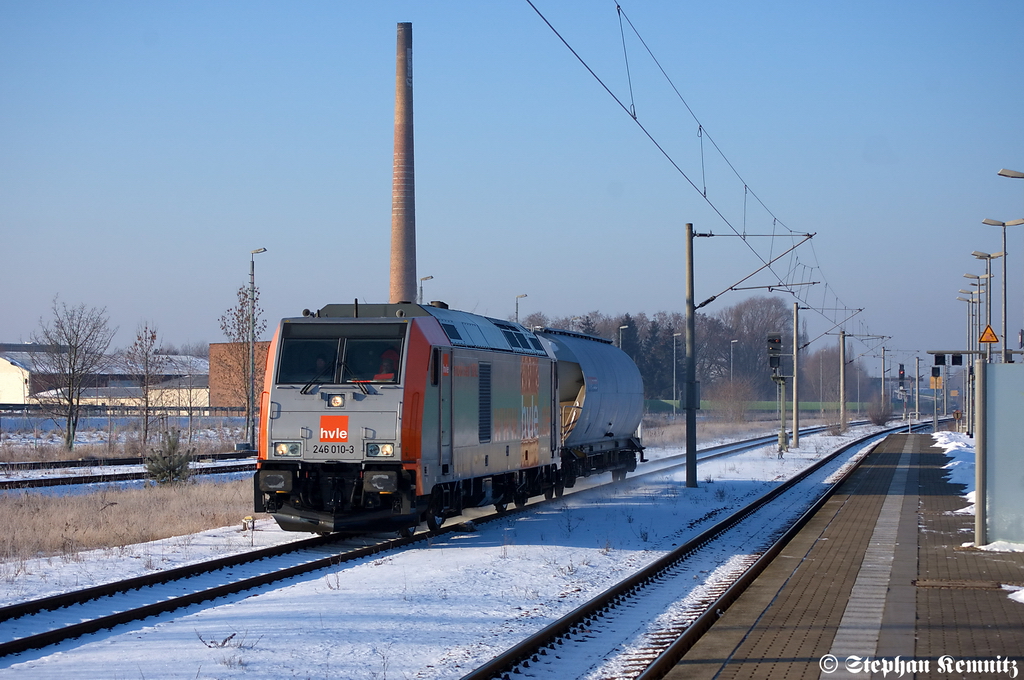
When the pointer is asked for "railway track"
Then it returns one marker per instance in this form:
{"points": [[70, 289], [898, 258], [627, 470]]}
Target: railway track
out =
{"points": [[40, 623], [21, 466], [208, 464], [656, 607]]}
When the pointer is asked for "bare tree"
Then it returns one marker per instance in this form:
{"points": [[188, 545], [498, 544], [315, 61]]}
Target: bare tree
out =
{"points": [[749, 322], [195, 349], [143, 360], [235, 323], [77, 339], [190, 389]]}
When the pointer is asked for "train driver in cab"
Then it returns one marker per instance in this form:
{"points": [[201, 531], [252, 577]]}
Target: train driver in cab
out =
{"points": [[388, 366]]}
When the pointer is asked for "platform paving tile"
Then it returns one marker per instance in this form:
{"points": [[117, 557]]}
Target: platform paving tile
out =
{"points": [[790, 617]]}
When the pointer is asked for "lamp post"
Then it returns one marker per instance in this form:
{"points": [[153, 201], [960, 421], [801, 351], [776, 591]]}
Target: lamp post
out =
{"points": [[425, 278], [250, 411], [988, 257], [971, 301], [620, 335], [732, 343], [517, 305], [979, 281], [675, 394], [1004, 225], [979, 291]]}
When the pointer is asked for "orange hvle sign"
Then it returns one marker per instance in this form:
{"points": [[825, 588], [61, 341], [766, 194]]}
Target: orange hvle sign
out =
{"points": [[334, 428]]}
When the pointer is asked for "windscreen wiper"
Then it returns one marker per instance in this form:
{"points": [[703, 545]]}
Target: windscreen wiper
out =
{"points": [[316, 378]]}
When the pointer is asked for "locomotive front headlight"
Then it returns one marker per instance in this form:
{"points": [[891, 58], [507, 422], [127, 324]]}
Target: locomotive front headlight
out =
{"points": [[380, 450], [336, 400], [288, 449]]}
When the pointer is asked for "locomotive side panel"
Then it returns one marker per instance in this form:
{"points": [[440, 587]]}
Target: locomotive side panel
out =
{"points": [[425, 375], [502, 412]]}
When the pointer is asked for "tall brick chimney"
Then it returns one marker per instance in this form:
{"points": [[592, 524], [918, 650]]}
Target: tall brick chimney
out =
{"points": [[403, 183]]}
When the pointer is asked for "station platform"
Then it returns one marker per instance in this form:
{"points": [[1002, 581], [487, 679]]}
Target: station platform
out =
{"points": [[879, 574]]}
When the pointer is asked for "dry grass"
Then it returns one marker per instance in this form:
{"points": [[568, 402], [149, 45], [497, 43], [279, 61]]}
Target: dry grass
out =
{"points": [[660, 430], [40, 525], [665, 431]]}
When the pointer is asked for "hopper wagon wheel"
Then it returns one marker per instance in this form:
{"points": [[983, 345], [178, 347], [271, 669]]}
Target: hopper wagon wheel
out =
{"points": [[618, 475], [549, 492], [500, 507], [520, 499]]}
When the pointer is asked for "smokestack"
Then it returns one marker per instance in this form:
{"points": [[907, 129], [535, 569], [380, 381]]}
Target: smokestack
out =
{"points": [[403, 183]]}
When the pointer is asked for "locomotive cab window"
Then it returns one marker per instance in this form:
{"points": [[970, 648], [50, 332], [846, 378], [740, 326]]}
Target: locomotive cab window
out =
{"points": [[371, 360], [318, 354]]}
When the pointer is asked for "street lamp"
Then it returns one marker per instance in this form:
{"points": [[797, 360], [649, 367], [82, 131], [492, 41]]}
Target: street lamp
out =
{"points": [[1012, 174], [517, 305], [732, 343], [620, 335], [988, 257], [425, 278], [977, 281], [675, 394], [980, 314], [972, 334], [1004, 225], [250, 411]]}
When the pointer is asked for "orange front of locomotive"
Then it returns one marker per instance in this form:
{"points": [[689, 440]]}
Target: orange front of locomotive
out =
{"points": [[342, 424]]}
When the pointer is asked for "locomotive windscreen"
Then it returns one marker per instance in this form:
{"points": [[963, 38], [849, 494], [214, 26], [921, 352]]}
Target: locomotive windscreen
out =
{"points": [[318, 353]]}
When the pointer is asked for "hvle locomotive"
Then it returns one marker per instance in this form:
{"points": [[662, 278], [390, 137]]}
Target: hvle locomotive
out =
{"points": [[381, 416]]}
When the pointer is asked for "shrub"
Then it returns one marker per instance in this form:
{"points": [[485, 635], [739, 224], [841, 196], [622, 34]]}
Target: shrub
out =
{"points": [[879, 412], [169, 464]]}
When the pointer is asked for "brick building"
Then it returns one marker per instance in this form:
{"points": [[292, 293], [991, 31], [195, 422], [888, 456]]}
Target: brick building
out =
{"points": [[229, 372]]}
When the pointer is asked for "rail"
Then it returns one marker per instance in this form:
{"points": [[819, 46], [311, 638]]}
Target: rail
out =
{"points": [[537, 645]]}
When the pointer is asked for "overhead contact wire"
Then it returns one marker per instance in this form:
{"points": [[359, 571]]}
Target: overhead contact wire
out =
{"points": [[625, 57], [643, 129]]}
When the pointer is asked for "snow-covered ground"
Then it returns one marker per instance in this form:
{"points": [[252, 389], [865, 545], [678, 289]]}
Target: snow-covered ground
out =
{"points": [[961, 471], [433, 611], [33, 430]]}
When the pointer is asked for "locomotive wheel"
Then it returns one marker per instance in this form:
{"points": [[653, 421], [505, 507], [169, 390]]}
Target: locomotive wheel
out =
{"points": [[520, 500], [618, 475], [500, 507], [434, 519], [406, 532]]}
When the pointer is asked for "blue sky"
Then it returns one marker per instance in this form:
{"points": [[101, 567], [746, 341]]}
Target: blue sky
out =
{"points": [[146, 148]]}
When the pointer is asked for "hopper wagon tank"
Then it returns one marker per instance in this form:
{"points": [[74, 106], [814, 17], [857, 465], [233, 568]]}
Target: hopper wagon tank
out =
{"points": [[377, 417]]}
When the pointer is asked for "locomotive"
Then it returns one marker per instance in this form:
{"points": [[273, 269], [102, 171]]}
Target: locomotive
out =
{"points": [[379, 416]]}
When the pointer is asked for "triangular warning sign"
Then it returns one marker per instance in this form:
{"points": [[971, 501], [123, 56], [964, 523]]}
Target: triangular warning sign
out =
{"points": [[988, 335]]}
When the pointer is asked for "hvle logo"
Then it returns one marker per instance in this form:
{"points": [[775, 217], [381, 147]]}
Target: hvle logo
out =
{"points": [[334, 428]]}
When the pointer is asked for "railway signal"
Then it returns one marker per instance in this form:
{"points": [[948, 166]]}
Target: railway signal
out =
{"points": [[774, 350]]}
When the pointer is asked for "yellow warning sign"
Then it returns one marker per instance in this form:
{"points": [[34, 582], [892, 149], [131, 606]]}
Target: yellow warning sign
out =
{"points": [[988, 335]]}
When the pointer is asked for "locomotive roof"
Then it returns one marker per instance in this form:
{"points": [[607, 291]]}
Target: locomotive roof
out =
{"points": [[464, 329]]}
